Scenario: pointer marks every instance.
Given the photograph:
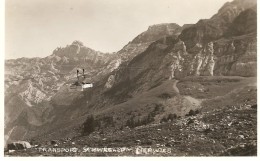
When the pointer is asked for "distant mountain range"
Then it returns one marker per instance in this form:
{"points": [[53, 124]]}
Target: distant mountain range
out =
{"points": [[131, 82]]}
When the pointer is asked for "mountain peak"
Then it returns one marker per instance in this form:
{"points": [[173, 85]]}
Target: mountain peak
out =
{"points": [[234, 7], [161, 25], [154, 32], [77, 42]]}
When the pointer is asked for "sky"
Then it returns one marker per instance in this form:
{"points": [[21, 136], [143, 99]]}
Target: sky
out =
{"points": [[34, 28]]}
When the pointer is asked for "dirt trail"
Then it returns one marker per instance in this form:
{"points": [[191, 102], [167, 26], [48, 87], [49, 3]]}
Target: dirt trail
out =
{"points": [[175, 88], [245, 83], [195, 102]]}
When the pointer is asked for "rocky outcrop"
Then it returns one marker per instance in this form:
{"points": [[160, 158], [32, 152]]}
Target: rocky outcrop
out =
{"points": [[203, 62], [236, 56], [246, 64], [33, 95], [182, 63], [19, 145], [110, 82]]}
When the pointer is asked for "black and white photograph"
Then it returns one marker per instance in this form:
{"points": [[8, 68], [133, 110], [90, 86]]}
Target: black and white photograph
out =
{"points": [[134, 78]]}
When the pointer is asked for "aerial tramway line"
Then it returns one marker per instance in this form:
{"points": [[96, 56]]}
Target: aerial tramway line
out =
{"points": [[80, 84]]}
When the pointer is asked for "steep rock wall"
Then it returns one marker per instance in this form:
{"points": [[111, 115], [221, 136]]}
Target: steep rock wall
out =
{"points": [[223, 57]]}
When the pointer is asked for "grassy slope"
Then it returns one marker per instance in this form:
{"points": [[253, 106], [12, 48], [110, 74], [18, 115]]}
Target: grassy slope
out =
{"points": [[223, 101]]}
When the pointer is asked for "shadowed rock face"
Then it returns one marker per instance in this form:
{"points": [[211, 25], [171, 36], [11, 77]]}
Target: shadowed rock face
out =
{"points": [[236, 56], [142, 41], [213, 28], [243, 24]]}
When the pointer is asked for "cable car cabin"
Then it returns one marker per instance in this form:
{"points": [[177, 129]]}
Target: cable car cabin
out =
{"points": [[87, 85], [77, 86], [80, 84]]}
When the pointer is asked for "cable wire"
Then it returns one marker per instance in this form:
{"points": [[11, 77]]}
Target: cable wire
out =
{"points": [[65, 74]]}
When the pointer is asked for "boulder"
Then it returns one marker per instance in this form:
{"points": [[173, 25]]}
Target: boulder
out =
{"points": [[53, 142], [254, 106], [19, 145]]}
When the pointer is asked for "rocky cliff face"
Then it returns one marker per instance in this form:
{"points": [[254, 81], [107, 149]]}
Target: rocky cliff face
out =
{"points": [[235, 56], [30, 84], [224, 44], [207, 48], [42, 77], [142, 41], [203, 49], [244, 23], [227, 58], [212, 29]]}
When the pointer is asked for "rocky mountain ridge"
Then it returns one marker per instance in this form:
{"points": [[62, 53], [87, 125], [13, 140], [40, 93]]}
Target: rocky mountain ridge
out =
{"points": [[142, 81], [47, 79], [213, 28]]}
